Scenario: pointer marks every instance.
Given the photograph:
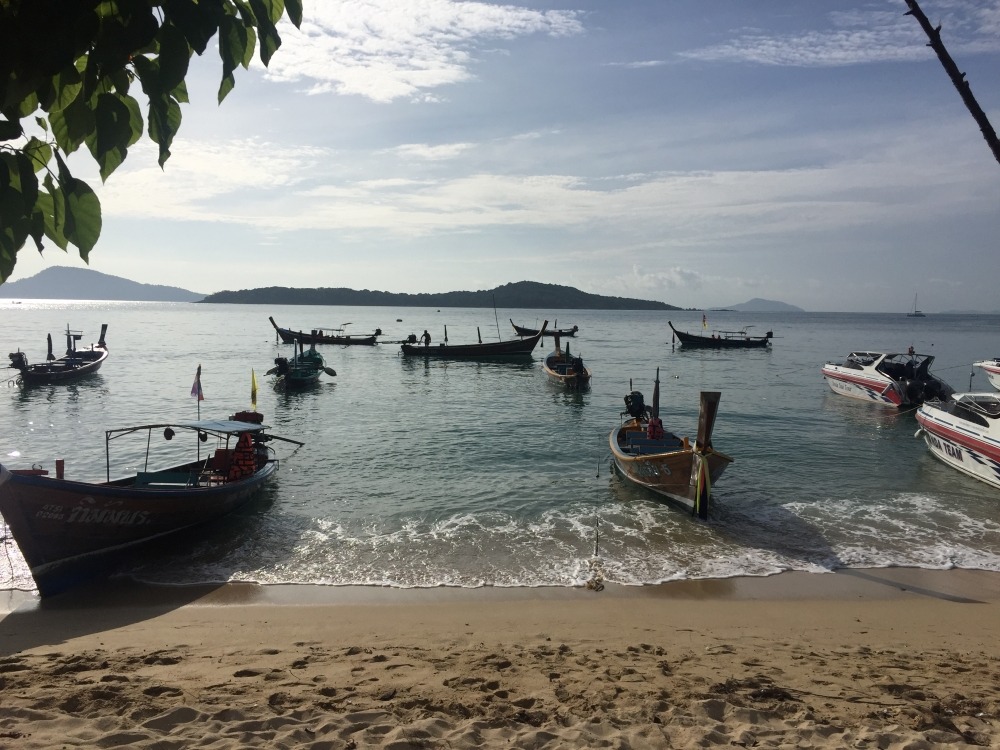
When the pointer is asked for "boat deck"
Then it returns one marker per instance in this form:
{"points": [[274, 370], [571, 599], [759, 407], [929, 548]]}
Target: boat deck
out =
{"points": [[635, 442]]}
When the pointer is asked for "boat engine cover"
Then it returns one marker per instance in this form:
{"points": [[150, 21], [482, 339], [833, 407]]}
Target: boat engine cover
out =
{"points": [[635, 404]]}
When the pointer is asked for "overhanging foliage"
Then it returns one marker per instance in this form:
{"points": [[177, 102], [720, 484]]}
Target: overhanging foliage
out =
{"points": [[68, 70]]}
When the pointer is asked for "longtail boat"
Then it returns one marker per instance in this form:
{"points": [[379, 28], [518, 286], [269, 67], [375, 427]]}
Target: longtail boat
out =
{"points": [[740, 339], [650, 457], [484, 349], [75, 363], [335, 336], [561, 332], [70, 530]]}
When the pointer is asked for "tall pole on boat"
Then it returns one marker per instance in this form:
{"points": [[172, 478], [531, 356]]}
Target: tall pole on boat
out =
{"points": [[499, 336]]}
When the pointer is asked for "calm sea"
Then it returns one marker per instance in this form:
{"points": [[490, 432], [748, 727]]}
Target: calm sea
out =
{"points": [[418, 474]]}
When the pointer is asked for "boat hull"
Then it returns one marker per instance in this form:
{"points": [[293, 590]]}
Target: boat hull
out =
{"points": [[511, 348], [852, 384], [964, 445], [696, 341], [66, 369], [67, 530], [672, 474], [992, 369], [289, 336], [559, 370], [561, 332]]}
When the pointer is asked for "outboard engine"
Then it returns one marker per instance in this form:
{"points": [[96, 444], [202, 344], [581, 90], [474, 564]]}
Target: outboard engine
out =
{"points": [[281, 363], [635, 404], [19, 360], [411, 339], [378, 332]]}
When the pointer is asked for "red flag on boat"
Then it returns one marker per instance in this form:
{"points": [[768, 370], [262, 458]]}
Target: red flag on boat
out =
{"points": [[196, 391]]}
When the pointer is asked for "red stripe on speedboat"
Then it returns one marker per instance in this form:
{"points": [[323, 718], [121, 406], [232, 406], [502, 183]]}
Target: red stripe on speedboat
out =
{"points": [[990, 450]]}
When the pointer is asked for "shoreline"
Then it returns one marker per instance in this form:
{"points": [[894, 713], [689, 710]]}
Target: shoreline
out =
{"points": [[961, 585], [875, 658]]}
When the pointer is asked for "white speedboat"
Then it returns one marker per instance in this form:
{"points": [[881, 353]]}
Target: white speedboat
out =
{"points": [[992, 369], [888, 379], [964, 432]]}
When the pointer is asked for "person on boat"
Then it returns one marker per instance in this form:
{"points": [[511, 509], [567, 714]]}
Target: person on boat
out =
{"points": [[426, 338]]}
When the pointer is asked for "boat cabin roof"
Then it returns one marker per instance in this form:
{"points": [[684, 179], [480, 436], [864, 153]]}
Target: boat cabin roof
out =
{"points": [[211, 426]]}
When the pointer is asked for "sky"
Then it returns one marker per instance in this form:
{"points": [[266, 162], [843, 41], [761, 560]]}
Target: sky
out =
{"points": [[697, 152]]}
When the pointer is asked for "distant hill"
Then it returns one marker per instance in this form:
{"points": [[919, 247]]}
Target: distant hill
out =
{"points": [[764, 305], [62, 282], [521, 294]]}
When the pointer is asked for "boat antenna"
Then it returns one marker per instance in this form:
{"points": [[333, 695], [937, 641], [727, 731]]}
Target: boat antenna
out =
{"points": [[499, 336]]}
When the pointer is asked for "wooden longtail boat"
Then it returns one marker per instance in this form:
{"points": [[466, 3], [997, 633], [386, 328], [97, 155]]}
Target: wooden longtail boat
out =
{"points": [[643, 453], [561, 332], [317, 336], [564, 369], [482, 350], [723, 339], [74, 364], [302, 370], [70, 530]]}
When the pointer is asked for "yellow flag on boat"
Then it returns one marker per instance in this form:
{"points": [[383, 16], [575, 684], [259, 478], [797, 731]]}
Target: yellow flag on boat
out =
{"points": [[253, 389]]}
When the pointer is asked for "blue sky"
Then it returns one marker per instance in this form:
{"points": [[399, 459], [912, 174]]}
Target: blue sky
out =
{"points": [[697, 152]]}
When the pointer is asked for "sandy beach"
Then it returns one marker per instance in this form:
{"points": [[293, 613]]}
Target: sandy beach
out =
{"points": [[888, 658]]}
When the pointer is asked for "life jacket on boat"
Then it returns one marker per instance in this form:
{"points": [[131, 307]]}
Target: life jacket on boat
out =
{"points": [[244, 462], [654, 429]]}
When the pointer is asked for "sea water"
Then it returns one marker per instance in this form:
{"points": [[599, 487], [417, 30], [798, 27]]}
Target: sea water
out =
{"points": [[420, 473]]}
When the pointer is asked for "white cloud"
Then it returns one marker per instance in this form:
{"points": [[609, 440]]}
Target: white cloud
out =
{"points": [[856, 36], [389, 49]]}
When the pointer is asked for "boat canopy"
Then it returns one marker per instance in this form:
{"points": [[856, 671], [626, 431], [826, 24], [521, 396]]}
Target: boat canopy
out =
{"points": [[211, 426]]}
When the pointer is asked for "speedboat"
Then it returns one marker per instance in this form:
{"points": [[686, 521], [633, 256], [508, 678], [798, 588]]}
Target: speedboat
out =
{"points": [[647, 455], [964, 432], [992, 369], [891, 379]]}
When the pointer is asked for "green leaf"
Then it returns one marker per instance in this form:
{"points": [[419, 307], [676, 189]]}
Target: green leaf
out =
{"points": [[72, 125], [10, 130], [113, 129], [42, 123], [269, 38], [175, 55], [227, 85], [16, 200], [68, 83], [83, 216], [294, 9], [39, 153], [164, 121], [51, 203]]}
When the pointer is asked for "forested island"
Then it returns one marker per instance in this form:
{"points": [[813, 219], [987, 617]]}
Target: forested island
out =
{"points": [[521, 294]]}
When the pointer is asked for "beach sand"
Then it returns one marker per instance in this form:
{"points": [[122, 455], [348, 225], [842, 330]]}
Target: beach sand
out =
{"points": [[889, 658]]}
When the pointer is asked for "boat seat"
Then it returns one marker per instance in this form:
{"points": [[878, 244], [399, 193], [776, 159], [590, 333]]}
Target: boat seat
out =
{"points": [[160, 478]]}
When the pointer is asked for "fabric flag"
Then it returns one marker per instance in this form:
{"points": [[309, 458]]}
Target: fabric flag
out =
{"points": [[196, 388], [704, 321], [253, 389]]}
